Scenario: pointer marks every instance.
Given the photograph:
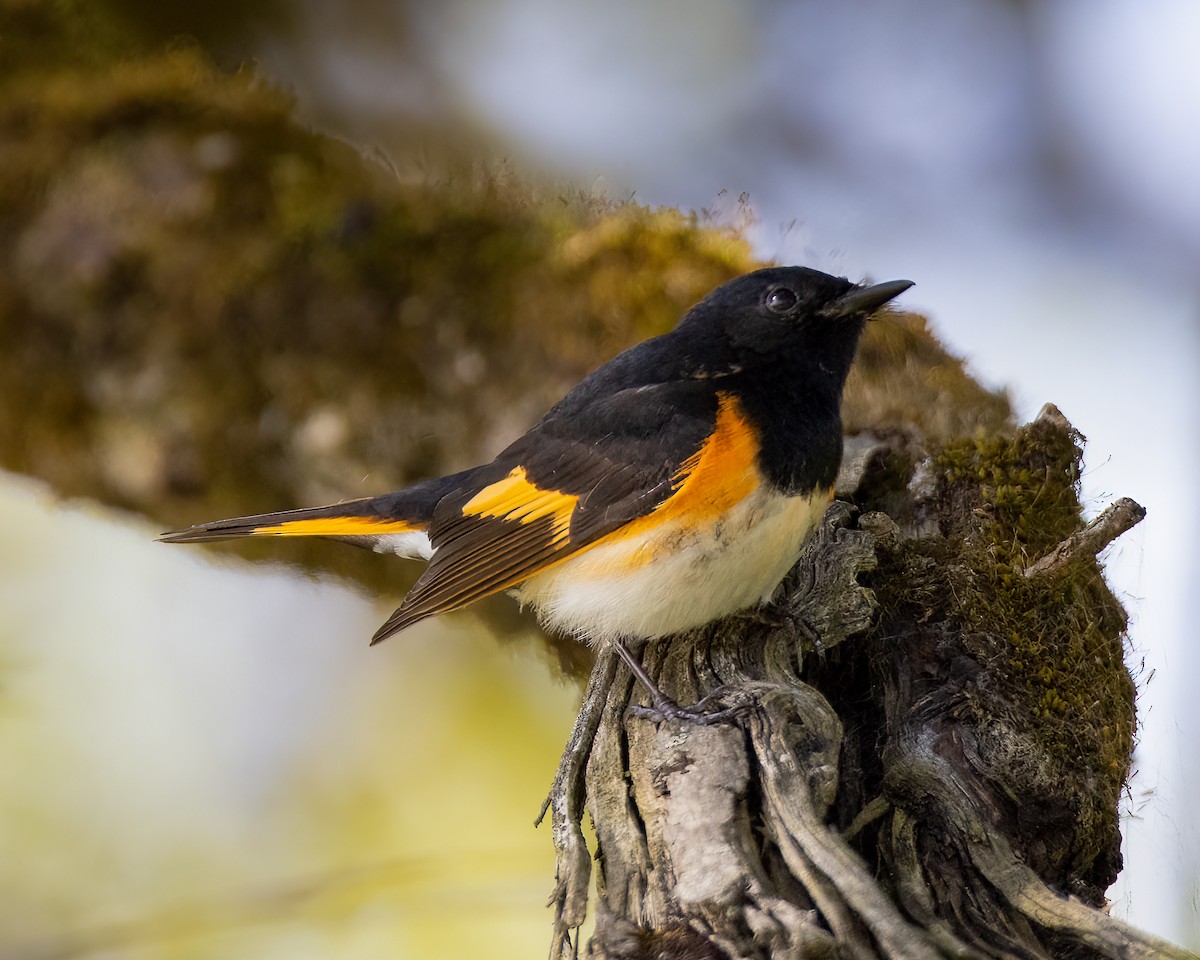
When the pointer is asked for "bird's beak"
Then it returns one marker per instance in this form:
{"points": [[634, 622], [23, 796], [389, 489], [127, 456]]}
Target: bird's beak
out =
{"points": [[866, 300]]}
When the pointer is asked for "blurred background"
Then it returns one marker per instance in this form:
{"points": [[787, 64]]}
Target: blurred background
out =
{"points": [[202, 759]]}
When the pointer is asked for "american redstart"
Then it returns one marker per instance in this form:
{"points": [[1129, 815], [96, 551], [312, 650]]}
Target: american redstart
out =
{"points": [[674, 485]]}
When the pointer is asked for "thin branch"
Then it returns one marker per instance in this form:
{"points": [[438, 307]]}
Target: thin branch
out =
{"points": [[565, 803], [1118, 517]]}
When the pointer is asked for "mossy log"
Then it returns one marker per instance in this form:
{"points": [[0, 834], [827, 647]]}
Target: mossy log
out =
{"points": [[924, 758]]}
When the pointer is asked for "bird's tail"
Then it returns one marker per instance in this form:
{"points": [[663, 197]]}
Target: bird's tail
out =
{"points": [[394, 522]]}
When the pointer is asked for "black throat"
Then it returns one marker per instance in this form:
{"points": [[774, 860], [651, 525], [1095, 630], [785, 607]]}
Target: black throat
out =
{"points": [[796, 404]]}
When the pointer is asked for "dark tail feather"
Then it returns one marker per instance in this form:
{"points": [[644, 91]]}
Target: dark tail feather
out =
{"points": [[354, 518], [407, 511]]}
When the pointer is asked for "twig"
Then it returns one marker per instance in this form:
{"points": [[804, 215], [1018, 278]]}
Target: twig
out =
{"points": [[1114, 521], [565, 805], [877, 808]]}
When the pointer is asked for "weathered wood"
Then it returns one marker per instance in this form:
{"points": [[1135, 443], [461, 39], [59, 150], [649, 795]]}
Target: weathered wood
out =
{"points": [[890, 782]]}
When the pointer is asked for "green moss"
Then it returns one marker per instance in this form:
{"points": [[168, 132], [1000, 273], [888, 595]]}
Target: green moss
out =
{"points": [[1052, 644], [1031, 667], [1025, 485]]}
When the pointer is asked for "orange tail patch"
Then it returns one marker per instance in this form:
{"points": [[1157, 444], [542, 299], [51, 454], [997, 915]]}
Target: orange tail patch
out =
{"points": [[317, 522], [334, 527]]}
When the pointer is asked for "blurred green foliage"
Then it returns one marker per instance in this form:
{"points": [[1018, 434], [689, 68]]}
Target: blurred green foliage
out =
{"points": [[127, 26], [202, 763]]}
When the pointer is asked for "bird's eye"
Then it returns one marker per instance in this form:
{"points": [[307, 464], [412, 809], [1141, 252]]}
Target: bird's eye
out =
{"points": [[780, 299]]}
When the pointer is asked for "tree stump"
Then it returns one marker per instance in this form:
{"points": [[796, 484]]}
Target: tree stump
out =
{"points": [[923, 758]]}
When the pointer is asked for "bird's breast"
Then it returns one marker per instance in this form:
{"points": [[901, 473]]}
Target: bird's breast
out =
{"points": [[655, 579]]}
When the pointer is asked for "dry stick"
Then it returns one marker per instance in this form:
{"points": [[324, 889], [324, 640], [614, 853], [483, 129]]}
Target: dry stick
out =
{"points": [[565, 803], [837, 879], [1026, 891], [928, 775], [877, 808], [1114, 521]]}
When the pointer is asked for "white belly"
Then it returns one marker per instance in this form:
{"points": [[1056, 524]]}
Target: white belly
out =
{"points": [[671, 578]]}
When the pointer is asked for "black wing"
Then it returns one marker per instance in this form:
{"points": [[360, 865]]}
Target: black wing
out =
{"points": [[585, 471]]}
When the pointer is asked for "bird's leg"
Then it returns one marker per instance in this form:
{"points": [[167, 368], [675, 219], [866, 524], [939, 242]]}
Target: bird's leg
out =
{"points": [[662, 703], [664, 708], [770, 613]]}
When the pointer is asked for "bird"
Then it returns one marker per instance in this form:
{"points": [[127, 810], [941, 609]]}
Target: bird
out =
{"points": [[673, 486]]}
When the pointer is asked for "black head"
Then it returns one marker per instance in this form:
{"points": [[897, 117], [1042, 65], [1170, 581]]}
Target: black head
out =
{"points": [[784, 339], [789, 310]]}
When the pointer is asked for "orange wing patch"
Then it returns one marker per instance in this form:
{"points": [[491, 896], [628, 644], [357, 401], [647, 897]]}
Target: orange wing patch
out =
{"points": [[517, 499], [335, 527]]}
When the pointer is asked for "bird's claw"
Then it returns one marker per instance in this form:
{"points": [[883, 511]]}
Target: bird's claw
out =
{"points": [[712, 709]]}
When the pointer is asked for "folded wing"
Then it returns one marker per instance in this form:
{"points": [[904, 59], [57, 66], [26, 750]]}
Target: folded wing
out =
{"points": [[564, 487]]}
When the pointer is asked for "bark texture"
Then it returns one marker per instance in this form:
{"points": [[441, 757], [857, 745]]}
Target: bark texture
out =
{"points": [[923, 758]]}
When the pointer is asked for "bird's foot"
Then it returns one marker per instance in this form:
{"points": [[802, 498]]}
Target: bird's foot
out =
{"points": [[721, 706]]}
